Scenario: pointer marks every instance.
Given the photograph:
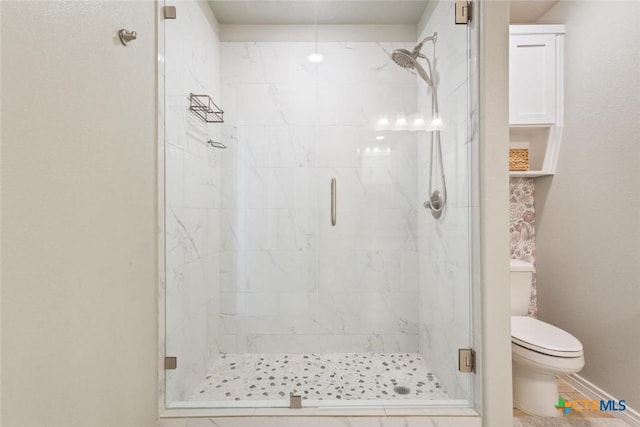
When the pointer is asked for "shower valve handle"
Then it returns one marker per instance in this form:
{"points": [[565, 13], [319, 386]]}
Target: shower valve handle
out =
{"points": [[436, 204]]}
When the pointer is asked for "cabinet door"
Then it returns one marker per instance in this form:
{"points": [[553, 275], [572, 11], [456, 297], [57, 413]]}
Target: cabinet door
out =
{"points": [[532, 79]]}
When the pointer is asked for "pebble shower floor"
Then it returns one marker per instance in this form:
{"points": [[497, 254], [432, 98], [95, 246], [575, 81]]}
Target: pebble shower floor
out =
{"points": [[326, 376]]}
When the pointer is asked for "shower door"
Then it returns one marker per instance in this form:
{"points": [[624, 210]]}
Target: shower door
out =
{"points": [[300, 259]]}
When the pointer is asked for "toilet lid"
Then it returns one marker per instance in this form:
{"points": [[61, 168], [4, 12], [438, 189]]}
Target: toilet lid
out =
{"points": [[544, 338]]}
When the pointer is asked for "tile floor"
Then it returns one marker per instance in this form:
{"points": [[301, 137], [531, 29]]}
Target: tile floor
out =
{"points": [[327, 376], [569, 393]]}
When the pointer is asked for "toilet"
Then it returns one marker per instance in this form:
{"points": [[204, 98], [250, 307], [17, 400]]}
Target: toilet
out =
{"points": [[540, 351]]}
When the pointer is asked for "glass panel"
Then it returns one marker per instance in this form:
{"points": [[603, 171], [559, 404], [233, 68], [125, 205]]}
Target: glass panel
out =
{"points": [[193, 190], [300, 259], [444, 247]]}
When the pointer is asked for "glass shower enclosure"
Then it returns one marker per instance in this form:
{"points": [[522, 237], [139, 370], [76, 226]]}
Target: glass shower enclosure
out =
{"points": [[301, 265]]}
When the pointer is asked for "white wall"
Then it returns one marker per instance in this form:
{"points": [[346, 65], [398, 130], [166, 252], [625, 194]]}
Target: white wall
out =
{"points": [[493, 244], [291, 281], [78, 195], [192, 196], [0, 220], [588, 214]]}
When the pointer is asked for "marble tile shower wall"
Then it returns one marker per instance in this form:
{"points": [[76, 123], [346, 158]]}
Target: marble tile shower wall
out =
{"points": [[290, 281], [445, 263], [192, 197]]}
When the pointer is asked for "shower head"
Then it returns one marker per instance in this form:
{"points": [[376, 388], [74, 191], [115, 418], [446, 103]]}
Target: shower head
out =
{"points": [[408, 60], [403, 58]]}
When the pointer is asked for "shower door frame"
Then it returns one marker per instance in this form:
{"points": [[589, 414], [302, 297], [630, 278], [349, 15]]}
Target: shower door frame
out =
{"points": [[446, 409]]}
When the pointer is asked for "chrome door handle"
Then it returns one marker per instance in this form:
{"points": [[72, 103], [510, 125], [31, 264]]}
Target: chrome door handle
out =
{"points": [[333, 202]]}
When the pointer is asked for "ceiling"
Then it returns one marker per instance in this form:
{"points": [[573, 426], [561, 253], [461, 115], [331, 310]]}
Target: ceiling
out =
{"points": [[306, 12]]}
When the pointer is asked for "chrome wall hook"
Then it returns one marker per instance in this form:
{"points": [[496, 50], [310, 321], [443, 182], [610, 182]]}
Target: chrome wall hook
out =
{"points": [[126, 36]]}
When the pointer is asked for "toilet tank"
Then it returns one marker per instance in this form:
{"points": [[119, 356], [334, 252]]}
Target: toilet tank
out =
{"points": [[520, 276]]}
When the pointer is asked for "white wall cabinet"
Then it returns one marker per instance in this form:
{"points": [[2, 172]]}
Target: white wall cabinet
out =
{"points": [[536, 95], [532, 79]]}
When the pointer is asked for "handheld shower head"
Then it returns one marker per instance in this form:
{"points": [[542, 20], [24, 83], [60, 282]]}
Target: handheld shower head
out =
{"points": [[403, 58], [408, 60]]}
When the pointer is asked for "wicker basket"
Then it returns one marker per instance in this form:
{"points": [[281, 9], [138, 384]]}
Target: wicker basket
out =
{"points": [[518, 159]]}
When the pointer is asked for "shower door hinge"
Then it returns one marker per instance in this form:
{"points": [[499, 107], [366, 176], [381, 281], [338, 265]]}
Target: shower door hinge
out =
{"points": [[170, 362], [169, 12], [466, 360], [463, 12]]}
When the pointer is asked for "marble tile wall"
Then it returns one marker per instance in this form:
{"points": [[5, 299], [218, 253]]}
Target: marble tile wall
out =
{"points": [[290, 281], [522, 221], [444, 256], [192, 197]]}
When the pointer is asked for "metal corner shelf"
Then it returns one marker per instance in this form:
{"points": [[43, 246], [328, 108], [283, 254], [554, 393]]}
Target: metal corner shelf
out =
{"points": [[204, 107]]}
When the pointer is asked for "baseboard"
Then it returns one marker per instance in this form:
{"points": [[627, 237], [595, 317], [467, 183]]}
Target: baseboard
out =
{"points": [[592, 391]]}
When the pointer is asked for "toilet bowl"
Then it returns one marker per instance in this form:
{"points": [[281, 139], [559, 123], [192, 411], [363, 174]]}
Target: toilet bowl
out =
{"points": [[540, 351]]}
